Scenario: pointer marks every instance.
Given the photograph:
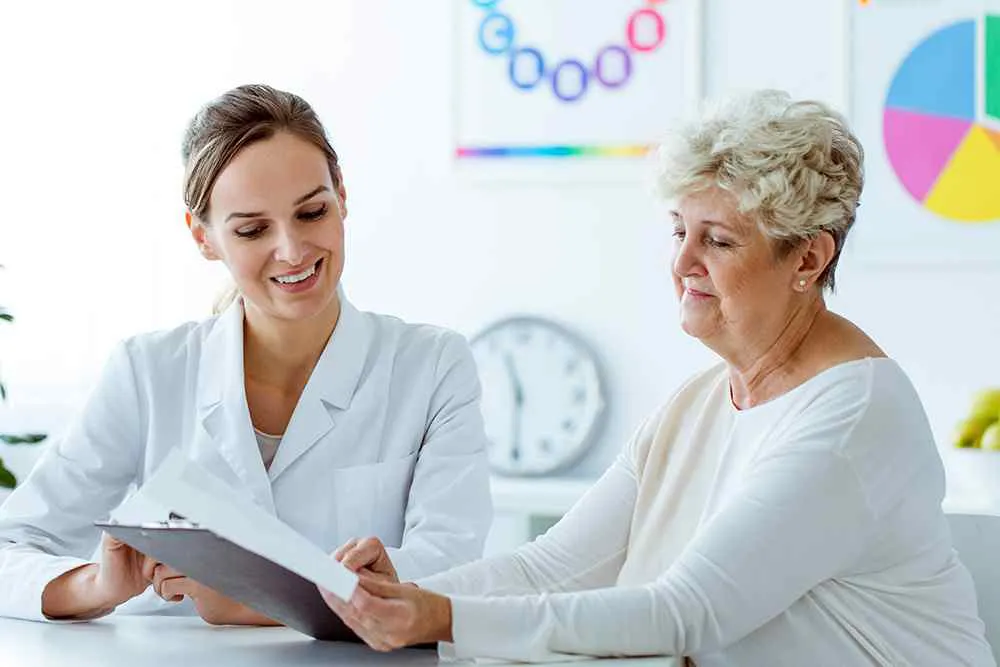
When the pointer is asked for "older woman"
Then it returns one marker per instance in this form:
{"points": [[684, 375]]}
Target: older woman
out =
{"points": [[784, 507]]}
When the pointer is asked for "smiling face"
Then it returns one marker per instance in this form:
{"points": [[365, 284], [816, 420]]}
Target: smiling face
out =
{"points": [[730, 283], [277, 222]]}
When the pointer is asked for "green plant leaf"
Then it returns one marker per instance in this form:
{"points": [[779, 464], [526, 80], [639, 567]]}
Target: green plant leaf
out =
{"points": [[25, 439], [7, 479], [3, 392], [5, 316]]}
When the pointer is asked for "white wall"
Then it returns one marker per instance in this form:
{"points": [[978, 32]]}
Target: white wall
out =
{"points": [[95, 98]]}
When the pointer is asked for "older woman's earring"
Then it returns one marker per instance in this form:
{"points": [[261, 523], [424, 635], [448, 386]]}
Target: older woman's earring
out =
{"points": [[802, 284]]}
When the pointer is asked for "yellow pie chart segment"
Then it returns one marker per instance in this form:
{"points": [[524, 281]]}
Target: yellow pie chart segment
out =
{"points": [[969, 188]]}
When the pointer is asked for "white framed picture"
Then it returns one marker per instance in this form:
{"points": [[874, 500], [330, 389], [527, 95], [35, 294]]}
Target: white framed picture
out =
{"points": [[926, 104], [551, 89]]}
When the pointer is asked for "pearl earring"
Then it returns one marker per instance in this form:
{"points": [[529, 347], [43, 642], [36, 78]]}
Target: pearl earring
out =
{"points": [[802, 282]]}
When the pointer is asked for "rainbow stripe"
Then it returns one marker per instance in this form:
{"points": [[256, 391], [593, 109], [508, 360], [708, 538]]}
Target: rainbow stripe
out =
{"points": [[550, 152]]}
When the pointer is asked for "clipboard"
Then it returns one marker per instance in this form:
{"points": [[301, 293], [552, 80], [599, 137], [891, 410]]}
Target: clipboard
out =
{"points": [[237, 573]]}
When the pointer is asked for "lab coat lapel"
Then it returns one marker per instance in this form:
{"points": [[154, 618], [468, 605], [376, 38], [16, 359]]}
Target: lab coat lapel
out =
{"points": [[330, 388], [223, 411]]}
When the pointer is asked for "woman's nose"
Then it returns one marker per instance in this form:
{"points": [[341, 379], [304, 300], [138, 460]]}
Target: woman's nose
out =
{"points": [[685, 258], [291, 248]]}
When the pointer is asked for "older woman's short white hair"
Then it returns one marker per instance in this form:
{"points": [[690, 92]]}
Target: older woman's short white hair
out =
{"points": [[793, 167]]}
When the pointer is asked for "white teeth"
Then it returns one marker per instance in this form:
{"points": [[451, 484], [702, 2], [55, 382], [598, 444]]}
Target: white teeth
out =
{"points": [[298, 277]]}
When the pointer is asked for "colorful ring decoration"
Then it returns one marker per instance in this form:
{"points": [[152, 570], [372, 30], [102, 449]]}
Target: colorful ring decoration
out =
{"points": [[569, 79]]}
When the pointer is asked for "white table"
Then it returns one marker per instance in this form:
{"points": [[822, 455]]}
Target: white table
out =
{"points": [[170, 641]]}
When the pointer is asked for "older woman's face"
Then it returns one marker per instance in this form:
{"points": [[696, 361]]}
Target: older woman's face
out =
{"points": [[725, 272]]}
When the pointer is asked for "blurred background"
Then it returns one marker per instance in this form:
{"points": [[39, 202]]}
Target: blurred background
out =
{"points": [[95, 97]]}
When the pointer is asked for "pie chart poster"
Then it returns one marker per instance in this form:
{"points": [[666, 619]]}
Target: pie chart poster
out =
{"points": [[560, 81], [926, 103]]}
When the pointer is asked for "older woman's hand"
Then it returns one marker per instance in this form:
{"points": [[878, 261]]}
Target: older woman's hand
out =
{"points": [[367, 556], [388, 616], [212, 606]]}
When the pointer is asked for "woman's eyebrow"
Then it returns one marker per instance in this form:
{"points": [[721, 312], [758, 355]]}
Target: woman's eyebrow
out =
{"points": [[312, 193], [677, 217], [256, 214]]}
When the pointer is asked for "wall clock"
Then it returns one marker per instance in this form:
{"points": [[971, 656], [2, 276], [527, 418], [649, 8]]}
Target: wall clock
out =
{"points": [[543, 395]]}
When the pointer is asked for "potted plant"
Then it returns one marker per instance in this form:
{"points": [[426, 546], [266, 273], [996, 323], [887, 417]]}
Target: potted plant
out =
{"points": [[7, 478]]}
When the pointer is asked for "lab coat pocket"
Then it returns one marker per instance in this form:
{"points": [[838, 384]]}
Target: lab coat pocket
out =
{"points": [[371, 499]]}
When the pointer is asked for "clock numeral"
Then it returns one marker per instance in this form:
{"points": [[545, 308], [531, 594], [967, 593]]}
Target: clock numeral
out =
{"points": [[545, 445], [569, 425], [579, 395], [572, 365], [522, 336]]}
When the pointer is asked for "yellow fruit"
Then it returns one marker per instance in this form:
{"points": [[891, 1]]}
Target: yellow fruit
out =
{"points": [[986, 403], [970, 431], [991, 438]]}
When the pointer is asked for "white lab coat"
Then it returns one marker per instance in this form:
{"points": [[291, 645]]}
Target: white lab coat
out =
{"points": [[387, 439]]}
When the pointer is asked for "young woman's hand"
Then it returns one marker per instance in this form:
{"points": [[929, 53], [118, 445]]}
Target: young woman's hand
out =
{"points": [[388, 616], [124, 572], [367, 556], [96, 589], [213, 607]]}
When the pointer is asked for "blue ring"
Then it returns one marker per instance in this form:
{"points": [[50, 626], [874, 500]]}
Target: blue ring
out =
{"points": [[506, 31], [584, 78], [539, 60]]}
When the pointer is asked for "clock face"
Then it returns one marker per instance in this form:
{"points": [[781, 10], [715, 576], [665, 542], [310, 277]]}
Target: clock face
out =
{"points": [[542, 395]]}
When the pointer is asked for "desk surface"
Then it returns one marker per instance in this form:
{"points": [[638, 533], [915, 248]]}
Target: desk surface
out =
{"points": [[145, 641]]}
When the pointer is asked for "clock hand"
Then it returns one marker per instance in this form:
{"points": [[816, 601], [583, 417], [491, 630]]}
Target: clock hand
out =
{"points": [[515, 380]]}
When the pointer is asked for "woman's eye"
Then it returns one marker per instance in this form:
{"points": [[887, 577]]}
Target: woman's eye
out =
{"points": [[315, 214], [679, 234], [718, 243], [252, 232]]}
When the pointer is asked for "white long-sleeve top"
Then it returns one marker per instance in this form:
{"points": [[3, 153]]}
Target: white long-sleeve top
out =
{"points": [[804, 531], [386, 439]]}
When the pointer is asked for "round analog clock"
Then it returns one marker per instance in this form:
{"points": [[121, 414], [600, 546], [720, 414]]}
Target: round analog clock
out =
{"points": [[543, 396]]}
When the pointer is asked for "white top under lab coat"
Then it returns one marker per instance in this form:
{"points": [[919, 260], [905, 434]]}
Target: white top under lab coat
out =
{"points": [[387, 439], [806, 531]]}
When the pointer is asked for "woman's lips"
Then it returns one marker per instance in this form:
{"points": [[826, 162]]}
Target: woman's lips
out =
{"points": [[697, 294], [302, 285]]}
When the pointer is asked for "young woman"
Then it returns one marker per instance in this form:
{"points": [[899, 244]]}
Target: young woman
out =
{"points": [[340, 422]]}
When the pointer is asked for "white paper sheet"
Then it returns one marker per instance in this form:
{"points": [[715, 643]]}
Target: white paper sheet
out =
{"points": [[179, 485]]}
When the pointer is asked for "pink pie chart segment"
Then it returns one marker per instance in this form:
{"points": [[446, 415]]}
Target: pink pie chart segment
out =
{"points": [[920, 146]]}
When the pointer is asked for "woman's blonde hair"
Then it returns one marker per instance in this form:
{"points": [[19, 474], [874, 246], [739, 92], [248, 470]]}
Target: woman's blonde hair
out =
{"points": [[793, 166], [231, 122]]}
